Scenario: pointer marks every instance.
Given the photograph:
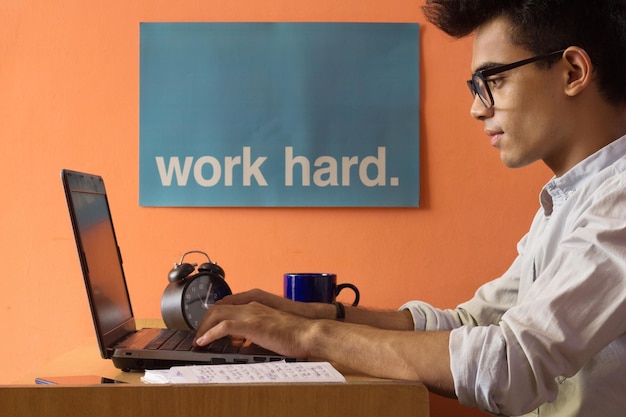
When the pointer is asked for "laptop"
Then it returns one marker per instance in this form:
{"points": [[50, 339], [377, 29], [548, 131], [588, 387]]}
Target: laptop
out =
{"points": [[101, 263]]}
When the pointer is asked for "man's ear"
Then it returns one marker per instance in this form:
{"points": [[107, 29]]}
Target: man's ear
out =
{"points": [[579, 70]]}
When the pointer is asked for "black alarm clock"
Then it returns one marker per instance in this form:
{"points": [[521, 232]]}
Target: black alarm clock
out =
{"points": [[190, 294]]}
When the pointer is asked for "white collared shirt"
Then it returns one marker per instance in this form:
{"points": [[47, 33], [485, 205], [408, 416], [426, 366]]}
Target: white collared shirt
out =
{"points": [[550, 334]]}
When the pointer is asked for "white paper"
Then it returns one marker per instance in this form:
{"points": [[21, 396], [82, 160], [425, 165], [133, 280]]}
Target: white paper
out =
{"points": [[266, 372]]}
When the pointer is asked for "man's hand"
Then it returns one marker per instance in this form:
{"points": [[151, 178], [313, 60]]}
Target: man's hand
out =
{"points": [[308, 310], [281, 332]]}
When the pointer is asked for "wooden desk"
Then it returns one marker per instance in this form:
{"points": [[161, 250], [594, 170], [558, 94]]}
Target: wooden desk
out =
{"points": [[359, 396]]}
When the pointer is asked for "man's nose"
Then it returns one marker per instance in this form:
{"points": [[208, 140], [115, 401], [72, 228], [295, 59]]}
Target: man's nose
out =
{"points": [[478, 110]]}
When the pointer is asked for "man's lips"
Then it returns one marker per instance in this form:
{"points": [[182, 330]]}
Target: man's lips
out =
{"points": [[495, 136]]}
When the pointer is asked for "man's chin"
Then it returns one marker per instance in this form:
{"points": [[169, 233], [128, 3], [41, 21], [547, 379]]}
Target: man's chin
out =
{"points": [[513, 162]]}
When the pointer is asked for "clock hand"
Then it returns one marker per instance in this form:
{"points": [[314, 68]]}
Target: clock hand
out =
{"points": [[205, 304]]}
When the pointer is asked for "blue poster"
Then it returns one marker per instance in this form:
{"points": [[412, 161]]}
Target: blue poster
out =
{"points": [[279, 114]]}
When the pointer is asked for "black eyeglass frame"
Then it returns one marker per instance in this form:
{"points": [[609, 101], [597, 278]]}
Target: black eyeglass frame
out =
{"points": [[481, 76]]}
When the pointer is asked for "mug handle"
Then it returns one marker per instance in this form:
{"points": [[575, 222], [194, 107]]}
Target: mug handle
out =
{"points": [[357, 296]]}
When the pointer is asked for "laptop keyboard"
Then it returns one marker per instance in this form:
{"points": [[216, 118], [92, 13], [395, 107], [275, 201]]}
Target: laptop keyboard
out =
{"points": [[168, 340], [182, 340]]}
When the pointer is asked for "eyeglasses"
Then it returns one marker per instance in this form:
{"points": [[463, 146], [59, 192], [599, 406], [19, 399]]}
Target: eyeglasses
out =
{"points": [[478, 84]]}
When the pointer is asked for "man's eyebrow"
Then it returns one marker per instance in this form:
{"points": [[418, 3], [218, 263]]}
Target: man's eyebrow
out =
{"points": [[488, 65]]}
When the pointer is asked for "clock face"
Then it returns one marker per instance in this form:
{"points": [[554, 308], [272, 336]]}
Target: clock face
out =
{"points": [[199, 295]]}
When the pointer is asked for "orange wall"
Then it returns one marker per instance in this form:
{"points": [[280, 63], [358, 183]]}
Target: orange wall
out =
{"points": [[69, 99]]}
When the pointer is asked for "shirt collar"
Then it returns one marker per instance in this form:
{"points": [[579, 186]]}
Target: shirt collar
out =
{"points": [[557, 190]]}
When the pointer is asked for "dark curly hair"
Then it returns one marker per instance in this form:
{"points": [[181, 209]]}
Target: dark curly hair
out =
{"points": [[543, 26]]}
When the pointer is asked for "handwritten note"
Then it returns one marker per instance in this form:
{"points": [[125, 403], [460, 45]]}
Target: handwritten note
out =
{"points": [[267, 372]]}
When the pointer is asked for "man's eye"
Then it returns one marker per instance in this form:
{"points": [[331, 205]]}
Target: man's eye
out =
{"points": [[494, 82]]}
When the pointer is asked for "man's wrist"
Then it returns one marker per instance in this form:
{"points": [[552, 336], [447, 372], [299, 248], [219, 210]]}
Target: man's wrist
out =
{"points": [[325, 311]]}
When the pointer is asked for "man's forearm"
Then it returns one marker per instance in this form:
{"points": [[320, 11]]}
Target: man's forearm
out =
{"points": [[406, 355], [390, 320]]}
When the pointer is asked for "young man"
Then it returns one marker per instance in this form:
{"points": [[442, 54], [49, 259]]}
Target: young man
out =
{"points": [[549, 336]]}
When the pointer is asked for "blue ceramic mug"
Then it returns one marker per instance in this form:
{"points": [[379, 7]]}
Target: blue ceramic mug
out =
{"points": [[310, 287]]}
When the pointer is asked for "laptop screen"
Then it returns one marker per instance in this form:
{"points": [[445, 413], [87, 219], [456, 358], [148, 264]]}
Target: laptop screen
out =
{"points": [[99, 255]]}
